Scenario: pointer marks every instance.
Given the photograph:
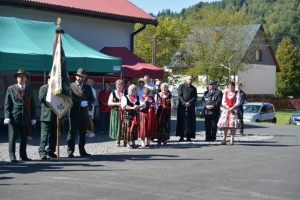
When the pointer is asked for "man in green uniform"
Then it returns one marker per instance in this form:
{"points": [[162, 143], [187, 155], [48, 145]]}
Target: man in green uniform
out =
{"points": [[48, 126], [19, 111], [83, 99]]}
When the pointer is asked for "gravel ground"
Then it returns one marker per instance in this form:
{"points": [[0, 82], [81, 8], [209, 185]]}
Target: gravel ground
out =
{"points": [[102, 144]]}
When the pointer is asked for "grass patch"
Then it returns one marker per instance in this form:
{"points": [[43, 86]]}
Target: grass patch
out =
{"points": [[283, 116]]}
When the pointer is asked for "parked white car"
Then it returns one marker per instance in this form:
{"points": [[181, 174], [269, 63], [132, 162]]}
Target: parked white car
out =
{"points": [[295, 118], [259, 112]]}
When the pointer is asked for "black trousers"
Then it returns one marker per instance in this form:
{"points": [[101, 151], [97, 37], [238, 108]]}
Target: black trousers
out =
{"points": [[241, 116], [211, 122], [13, 133], [104, 118], [77, 124], [48, 134]]}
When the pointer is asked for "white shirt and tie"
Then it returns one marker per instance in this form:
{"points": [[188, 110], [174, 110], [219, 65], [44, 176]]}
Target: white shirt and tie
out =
{"points": [[22, 87], [79, 85]]}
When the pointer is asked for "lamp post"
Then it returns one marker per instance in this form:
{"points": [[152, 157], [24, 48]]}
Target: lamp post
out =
{"points": [[228, 71], [224, 65]]}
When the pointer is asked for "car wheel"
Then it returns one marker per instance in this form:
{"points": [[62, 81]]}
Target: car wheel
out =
{"points": [[257, 120], [274, 120]]}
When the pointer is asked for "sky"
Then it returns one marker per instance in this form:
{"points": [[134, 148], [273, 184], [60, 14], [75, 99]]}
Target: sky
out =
{"points": [[154, 6]]}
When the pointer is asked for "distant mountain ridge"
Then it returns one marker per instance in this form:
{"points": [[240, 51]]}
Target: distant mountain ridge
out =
{"points": [[280, 18]]}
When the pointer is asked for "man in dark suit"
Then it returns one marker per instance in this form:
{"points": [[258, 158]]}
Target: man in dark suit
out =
{"points": [[48, 126], [240, 108], [212, 100], [20, 113], [186, 119], [83, 99]]}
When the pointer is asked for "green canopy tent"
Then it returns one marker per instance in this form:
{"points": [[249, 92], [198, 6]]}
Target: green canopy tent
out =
{"points": [[28, 44]]}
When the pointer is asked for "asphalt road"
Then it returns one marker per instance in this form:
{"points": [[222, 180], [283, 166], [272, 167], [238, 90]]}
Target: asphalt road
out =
{"points": [[263, 169]]}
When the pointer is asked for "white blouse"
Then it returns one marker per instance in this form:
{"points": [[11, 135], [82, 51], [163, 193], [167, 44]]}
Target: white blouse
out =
{"points": [[111, 96]]}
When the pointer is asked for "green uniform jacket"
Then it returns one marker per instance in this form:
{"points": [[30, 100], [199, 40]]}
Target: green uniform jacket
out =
{"points": [[47, 115], [18, 112], [85, 94]]}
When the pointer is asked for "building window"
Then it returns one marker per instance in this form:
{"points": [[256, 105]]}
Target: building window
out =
{"points": [[258, 55]]}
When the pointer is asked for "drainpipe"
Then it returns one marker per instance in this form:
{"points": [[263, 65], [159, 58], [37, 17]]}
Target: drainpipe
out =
{"points": [[132, 36]]}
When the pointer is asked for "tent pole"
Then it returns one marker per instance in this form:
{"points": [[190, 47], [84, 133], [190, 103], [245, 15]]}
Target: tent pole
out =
{"points": [[103, 87], [45, 77]]}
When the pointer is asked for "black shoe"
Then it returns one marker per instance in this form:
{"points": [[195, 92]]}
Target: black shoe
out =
{"points": [[207, 140], [26, 159], [188, 139], [84, 154], [181, 139], [52, 155], [14, 160], [44, 157], [71, 155]]}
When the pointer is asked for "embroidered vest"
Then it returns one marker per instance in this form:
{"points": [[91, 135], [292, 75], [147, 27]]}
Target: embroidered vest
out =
{"points": [[129, 114]]}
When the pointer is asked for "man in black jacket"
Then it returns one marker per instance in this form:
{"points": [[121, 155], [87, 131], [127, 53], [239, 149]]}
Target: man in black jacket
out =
{"points": [[238, 86], [186, 119], [212, 100]]}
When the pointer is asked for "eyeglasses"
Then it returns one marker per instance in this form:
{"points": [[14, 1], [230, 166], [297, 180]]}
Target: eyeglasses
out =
{"points": [[157, 85]]}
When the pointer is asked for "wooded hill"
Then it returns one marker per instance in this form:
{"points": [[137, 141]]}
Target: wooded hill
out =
{"points": [[280, 18]]}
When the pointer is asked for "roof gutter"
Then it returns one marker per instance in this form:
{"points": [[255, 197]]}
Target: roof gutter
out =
{"points": [[133, 34]]}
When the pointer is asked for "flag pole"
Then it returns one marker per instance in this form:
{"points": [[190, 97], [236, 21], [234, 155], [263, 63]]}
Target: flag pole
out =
{"points": [[59, 97], [57, 136], [57, 117]]}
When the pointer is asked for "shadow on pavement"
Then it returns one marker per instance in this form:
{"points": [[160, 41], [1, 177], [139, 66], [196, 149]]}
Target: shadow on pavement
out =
{"points": [[79, 163]]}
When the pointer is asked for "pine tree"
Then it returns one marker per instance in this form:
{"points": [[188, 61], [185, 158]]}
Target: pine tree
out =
{"points": [[288, 80]]}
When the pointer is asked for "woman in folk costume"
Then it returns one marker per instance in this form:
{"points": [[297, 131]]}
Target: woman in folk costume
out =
{"points": [[230, 102], [165, 103], [131, 105], [148, 124], [116, 116]]}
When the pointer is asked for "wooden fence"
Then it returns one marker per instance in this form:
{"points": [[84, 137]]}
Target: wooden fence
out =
{"points": [[279, 103]]}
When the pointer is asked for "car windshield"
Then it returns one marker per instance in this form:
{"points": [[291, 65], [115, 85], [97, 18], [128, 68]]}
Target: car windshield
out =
{"points": [[251, 108]]}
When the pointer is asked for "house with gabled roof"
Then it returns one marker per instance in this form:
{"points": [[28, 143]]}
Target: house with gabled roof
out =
{"points": [[260, 77], [257, 59]]}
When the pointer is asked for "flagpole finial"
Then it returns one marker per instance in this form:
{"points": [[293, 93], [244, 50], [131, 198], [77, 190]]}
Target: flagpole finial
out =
{"points": [[58, 23]]}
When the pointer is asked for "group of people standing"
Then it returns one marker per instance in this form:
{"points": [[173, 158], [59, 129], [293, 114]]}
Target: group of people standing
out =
{"points": [[223, 110], [140, 111], [129, 112], [20, 116]]}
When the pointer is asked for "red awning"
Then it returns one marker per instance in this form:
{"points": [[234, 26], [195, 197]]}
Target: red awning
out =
{"points": [[132, 65]]}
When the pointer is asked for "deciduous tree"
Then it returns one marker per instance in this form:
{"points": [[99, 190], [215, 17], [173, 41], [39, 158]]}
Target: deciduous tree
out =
{"points": [[216, 36], [170, 33]]}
